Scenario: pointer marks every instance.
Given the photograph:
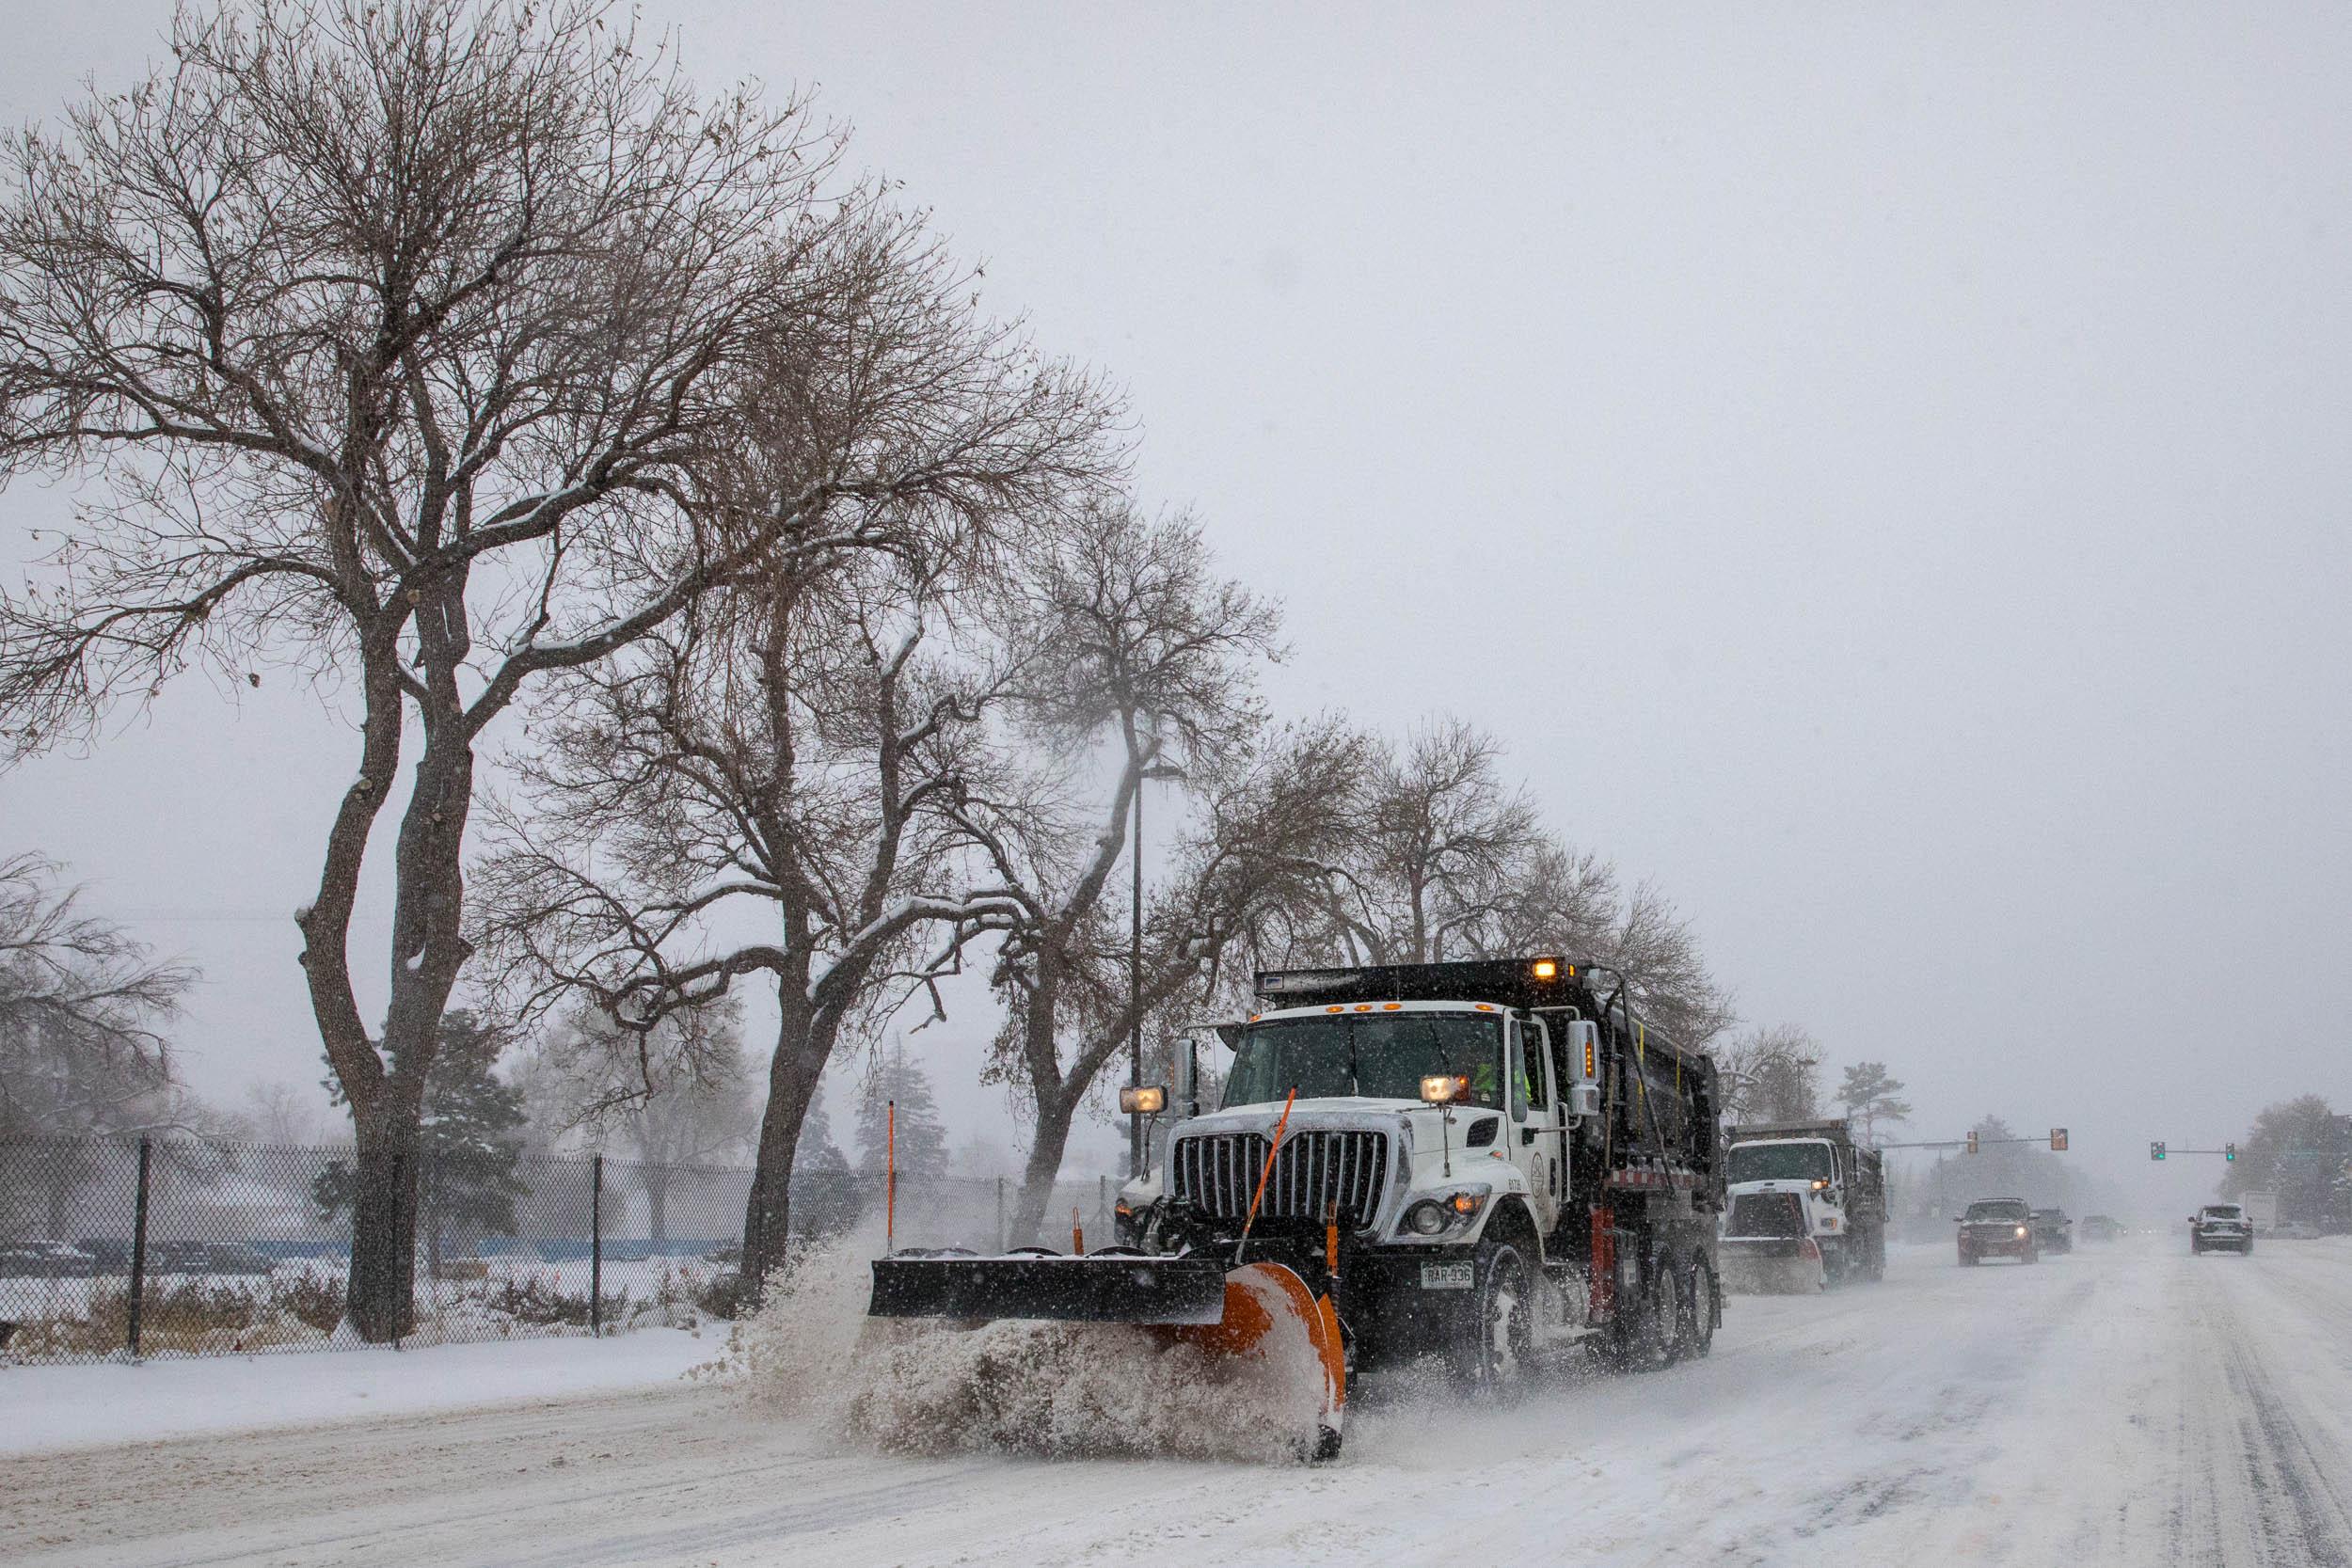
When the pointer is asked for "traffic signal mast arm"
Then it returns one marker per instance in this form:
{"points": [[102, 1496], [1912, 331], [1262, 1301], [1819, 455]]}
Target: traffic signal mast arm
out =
{"points": [[2056, 1140]]}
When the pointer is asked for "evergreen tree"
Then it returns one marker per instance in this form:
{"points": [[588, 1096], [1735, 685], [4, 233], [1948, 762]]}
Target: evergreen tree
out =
{"points": [[922, 1139], [1869, 1094], [469, 1138], [817, 1154]]}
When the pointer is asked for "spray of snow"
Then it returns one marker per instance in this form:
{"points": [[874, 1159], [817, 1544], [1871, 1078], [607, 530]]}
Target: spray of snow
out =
{"points": [[1049, 1389]]}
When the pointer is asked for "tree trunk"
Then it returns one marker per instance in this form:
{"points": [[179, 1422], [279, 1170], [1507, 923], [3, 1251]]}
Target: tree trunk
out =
{"points": [[1054, 1116], [804, 1040], [382, 1298]]}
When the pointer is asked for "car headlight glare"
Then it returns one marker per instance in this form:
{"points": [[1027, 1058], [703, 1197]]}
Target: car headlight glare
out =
{"points": [[2021, 1231]]}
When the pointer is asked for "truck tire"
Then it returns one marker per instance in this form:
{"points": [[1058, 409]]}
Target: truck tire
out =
{"points": [[1492, 1354], [1694, 1315], [1643, 1339]]}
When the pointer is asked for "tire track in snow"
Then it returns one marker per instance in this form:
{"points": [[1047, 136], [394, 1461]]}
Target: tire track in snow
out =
{"points": [[2253, 1475]]}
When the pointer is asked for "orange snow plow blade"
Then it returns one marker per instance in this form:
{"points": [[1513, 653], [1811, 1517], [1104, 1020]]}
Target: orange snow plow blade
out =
{"points": [[1264, 1304], [1267, 1310]]}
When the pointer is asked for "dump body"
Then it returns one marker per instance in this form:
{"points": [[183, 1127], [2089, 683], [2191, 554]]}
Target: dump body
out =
{"points": [[1846, 1183]]}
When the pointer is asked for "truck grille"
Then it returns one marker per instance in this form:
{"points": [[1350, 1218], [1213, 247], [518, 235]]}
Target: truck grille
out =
{"points": [[1217, 1172]]}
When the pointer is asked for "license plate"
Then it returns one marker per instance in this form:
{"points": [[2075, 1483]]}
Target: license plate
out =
{"points": [[1446, 1276]]}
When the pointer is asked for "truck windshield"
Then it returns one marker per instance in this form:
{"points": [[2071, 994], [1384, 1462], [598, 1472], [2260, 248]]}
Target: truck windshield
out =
{"points": [[1798, 1162], [1381, 1056]]}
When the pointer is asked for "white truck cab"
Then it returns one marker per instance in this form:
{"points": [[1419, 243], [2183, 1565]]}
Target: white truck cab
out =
{"points": [[1467, 1158]]}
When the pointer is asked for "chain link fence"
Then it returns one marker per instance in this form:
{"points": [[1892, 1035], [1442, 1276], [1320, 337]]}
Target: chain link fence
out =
{"points": [[171, 1247]]}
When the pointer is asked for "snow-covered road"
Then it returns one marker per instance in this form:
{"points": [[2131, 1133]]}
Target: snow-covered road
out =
{"points": [[2130, 1406]]}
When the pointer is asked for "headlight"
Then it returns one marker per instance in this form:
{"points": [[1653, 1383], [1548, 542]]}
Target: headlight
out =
{"points": [[2021, 1230], [1439, 1212]]}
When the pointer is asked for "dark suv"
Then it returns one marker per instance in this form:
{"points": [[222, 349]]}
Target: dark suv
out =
{"points": [[2052, 1231], [1997, 1228], [2220, 1228]]}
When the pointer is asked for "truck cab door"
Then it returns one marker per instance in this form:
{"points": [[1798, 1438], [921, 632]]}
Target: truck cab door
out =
{"points": [[1538, 1142]]}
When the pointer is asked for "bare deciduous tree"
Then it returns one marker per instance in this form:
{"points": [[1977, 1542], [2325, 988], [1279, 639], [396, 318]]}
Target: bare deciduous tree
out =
{"points": [[1451, 861], [791, 745], [1145, 668], [400, 333], [1440, 853], [83, 1009], [1771, 1075], [83, 1052], [681, 1100]]}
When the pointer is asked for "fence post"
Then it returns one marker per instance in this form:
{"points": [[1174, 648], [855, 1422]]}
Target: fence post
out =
{"points": [[1000, 1214], [596, 1246], [138, 1246]]}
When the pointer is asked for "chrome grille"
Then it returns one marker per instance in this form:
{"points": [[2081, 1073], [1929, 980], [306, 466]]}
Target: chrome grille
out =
{"points": [[1217, 1172]]}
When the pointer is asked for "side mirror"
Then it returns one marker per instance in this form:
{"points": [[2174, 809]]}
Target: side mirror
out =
{"points": [[1187, 1070]]}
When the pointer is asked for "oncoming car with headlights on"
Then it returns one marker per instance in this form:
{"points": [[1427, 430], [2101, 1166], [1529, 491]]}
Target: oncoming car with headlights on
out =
{"points": [[1997, 1228]]}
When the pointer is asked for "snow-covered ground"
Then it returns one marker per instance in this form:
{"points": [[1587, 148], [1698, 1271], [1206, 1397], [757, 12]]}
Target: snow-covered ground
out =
{"points": [[56, 1407], [2130, 1406]]}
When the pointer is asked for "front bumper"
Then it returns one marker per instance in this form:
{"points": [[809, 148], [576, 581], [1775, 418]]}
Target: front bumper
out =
{"points": [[2009, 1245]]}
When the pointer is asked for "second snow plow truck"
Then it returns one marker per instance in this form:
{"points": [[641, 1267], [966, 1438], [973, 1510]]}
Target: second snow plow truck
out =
{"points": [[1836, 1226], [1491, 1161]]}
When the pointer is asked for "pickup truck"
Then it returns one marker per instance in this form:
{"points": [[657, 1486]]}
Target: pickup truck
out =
{"points": [[1997, 1228]]}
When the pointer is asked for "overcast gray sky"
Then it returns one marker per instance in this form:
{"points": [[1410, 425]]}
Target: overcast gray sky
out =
{"points": [[1886, 470]]}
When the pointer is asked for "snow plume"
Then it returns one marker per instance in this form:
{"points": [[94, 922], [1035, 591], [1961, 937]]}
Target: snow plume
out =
{"points": [[1051, 1389]]}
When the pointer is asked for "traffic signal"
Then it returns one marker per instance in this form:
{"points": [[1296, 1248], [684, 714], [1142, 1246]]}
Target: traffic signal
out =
{"points": [[1971, 1140], [2057, 1139], [2228, 1151], [2156, 1151]]}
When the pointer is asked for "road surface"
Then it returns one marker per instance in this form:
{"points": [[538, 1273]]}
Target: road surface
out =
{"points": [[2129, 1406]]}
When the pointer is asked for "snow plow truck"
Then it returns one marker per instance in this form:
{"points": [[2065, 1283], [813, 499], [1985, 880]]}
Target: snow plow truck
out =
{"points": [[1491, 1163], [1837, 1228]]}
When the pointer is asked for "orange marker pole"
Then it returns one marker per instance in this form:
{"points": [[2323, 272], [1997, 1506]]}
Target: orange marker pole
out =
{"points": [[1077, 1235], [1266, 1172], [890, 1180]]}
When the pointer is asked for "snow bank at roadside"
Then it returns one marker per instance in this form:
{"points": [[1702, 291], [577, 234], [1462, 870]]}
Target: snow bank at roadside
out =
{"points": [[64, 1407], [1064, 1389]]}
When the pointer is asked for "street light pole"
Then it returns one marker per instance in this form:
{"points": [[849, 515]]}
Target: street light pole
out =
{"points": [[1134, 969], [1134, 992]]}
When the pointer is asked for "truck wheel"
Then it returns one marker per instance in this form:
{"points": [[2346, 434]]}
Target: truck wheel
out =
{"points": [[1694, 1318], [1493, 1351], [1644, 1338]]}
